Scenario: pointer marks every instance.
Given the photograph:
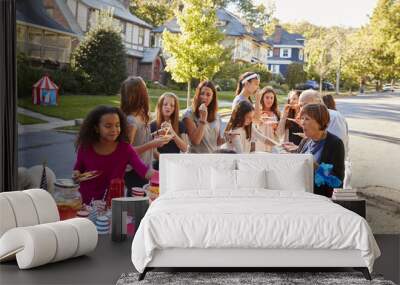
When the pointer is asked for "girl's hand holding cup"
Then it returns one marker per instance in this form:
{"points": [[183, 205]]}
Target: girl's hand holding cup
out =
{"points": [[161, 140], [203, 112]]}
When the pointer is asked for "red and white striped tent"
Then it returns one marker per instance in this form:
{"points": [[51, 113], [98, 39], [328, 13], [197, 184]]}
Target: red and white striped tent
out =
{"points": [[45, 92]]}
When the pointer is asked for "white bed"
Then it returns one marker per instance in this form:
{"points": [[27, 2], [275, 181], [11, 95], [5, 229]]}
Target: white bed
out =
{"points": [[219, 211]]}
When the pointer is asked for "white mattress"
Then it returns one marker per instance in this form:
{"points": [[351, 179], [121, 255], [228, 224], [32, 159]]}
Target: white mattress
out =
{"points": [[251, 219]]}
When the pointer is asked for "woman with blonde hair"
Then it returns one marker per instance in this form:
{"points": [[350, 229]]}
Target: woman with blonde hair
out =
{"points": [[167, 124]]}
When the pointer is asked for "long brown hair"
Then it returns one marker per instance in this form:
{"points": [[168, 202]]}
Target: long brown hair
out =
{"points": [[274, 107], [134, 97], [329, 101], [292, 112], [174, 115], [237, 118], [88, 135], [212, 107]]}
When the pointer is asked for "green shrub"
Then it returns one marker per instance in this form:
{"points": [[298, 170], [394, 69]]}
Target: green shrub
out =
{"points": [[100, 56], [234, 70], [27, 75], [295, 75], [226, 84]]}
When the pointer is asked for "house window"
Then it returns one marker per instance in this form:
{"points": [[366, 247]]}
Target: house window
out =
{"points": [[128, 35], [50, 11], [270, 53], [285, 52], [275, 68], [21, 33], [34, 42], [82, 17], [141, 36]]}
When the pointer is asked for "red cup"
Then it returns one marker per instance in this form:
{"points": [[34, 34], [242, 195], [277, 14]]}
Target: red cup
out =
{"points": [[115, 190]]}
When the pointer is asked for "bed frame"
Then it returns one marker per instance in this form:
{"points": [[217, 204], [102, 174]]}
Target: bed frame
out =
{"points": [[245, 258]]}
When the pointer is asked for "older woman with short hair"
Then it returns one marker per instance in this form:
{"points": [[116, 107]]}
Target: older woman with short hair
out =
{"points": [[324, 146]]}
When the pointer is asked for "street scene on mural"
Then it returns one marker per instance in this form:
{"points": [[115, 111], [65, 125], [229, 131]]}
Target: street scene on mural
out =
{"points": [[160, 137], [62, 76]]}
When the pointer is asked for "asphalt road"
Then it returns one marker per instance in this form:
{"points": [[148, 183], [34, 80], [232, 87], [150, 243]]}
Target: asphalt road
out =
{"points": [[374, 126]]}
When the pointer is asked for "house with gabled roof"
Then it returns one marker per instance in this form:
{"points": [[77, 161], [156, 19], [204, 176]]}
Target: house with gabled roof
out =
{"points": [[248, 45], [39, 36], [287, 48], [76, 17]]}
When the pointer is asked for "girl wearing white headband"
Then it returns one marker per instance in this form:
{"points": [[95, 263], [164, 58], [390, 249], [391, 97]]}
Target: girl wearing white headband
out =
{"points": [[247, 85]]}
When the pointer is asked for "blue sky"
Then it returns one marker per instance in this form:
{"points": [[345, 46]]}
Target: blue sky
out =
{"points": [[350, 13]]}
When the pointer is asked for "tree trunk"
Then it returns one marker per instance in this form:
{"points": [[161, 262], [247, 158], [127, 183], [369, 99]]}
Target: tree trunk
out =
{"points": [[320, 85], [188, 94], [338, 77]]}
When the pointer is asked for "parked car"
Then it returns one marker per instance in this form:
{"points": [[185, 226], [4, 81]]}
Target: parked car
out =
{"points": [[388, 87], [309, 84], [327, 86]]}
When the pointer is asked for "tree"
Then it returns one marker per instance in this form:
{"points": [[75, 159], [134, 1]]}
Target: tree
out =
{"points": [[100, 56], [308, 30], [339, 41], [319, 56], [155, 12], [196, 52], [385, 30], [295, 75]]}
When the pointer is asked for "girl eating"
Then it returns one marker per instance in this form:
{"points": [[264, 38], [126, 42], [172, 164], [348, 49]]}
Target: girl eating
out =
{"points": [[202, 121], [103, 149], [269, 118], [240, 131], [167, 123], [135, 105]]}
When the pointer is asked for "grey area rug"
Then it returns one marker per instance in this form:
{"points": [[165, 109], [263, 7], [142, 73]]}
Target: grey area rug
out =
{"points": [[273, 278]]}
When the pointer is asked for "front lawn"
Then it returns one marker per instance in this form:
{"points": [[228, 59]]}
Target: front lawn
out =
{"points": [[77, 106], [27, 120]]}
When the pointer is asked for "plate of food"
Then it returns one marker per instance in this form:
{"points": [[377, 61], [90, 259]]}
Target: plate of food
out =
{"points": [[88, 175], [302, 135]]}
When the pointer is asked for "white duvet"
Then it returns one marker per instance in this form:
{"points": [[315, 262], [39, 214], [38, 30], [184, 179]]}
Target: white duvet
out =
{"points": [[252, 218]]}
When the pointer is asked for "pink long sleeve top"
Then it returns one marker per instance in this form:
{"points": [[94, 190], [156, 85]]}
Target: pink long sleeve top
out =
{"points": [[111, 166]]}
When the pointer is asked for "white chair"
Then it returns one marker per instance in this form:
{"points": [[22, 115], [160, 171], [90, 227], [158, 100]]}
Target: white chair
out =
{"points": [[31, 230]]}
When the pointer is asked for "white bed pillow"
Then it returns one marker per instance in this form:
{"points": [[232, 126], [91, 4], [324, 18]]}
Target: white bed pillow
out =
{"points": [[195, 172], [182, 177], [223, 179], [279, 180], [251, 178], [289, 175]]}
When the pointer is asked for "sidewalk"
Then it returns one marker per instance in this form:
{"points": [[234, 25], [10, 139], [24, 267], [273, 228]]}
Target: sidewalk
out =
{"points": [[52, 122]]}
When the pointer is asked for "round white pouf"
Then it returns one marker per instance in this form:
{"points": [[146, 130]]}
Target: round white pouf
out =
{"points": [[24, 179], [87, 235], [23, 208], [35, 172], [33, 246], [45, 205], [6, 215], [67, 240]]}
